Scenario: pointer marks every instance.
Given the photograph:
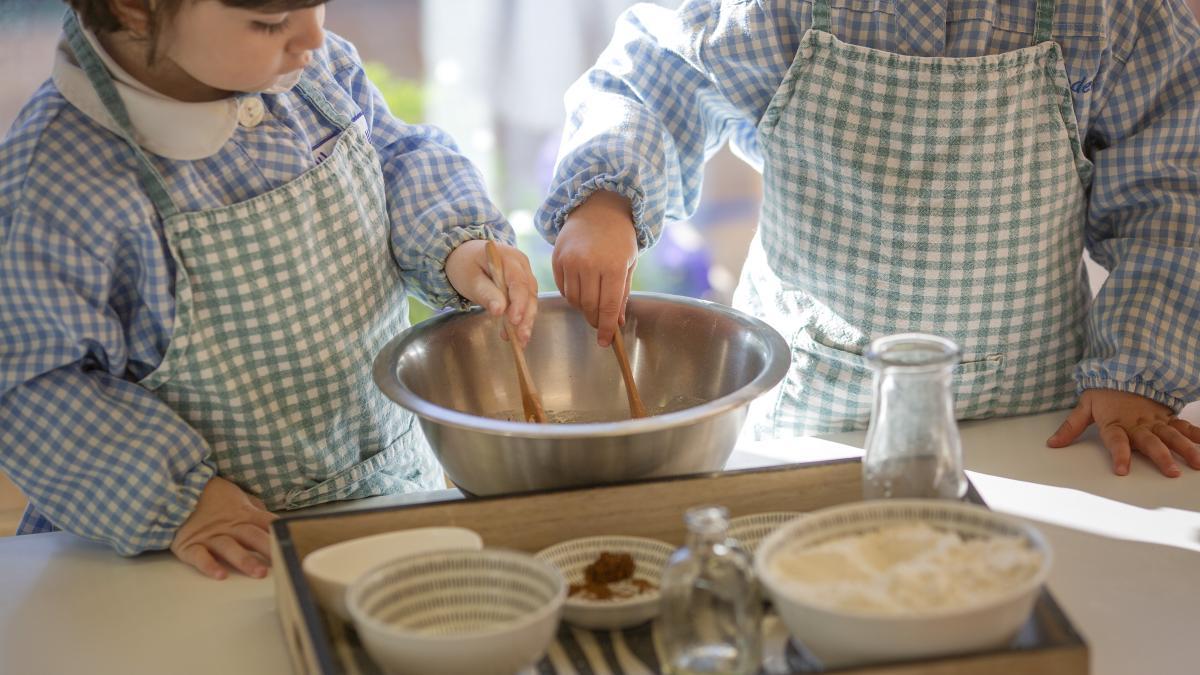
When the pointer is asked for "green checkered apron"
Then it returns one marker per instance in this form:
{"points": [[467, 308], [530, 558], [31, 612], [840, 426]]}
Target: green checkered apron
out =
{"points": [[905, 193], [282, 301]]}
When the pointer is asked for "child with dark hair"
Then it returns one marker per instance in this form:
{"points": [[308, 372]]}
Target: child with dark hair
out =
{"points": [[209, 225]]}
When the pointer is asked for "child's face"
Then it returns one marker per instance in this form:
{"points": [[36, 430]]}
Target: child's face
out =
{"points": [[234, 49]]}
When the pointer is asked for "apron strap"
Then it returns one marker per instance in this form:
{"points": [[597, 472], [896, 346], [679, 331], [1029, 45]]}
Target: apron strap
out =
{"points": [[820, 16], [310, 93], [151, 180], [1045, 21]]}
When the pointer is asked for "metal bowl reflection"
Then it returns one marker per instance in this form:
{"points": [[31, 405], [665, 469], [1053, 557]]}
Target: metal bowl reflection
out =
{"points": [[698, 366]]}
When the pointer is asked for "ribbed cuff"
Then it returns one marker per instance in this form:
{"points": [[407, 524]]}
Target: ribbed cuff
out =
{"points": [[1139, 388], [443, 294], [177, 508], [637, 201]]}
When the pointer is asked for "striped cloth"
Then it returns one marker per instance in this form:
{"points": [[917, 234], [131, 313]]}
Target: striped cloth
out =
{"points": [[636, 651]]}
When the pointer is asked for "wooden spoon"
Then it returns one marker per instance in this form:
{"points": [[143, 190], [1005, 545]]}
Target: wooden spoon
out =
{"points": [[636, 407], [530, 400]]}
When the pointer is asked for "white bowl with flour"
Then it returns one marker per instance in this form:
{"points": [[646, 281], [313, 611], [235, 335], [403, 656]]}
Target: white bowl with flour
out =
{"points": [[889, 580]]}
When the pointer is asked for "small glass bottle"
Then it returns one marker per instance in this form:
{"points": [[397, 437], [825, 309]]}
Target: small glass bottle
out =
{"points": [[711, 607], [913, 447]]}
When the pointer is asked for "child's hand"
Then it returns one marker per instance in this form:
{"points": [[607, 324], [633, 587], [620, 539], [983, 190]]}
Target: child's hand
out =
{"points": [[594, 257], [228, 526], [467, 270], [1130, 422]]}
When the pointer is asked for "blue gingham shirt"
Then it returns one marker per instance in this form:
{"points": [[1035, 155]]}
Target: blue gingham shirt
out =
{"points": [[673, 86], [87, 288]]}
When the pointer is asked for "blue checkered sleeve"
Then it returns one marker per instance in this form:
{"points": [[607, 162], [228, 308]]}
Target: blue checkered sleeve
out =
{"points": [[95, 453], [436, 197], [668, 92], [1144, 214]]}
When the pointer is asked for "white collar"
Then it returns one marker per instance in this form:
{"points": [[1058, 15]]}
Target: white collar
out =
{"points": [[162, 125]]}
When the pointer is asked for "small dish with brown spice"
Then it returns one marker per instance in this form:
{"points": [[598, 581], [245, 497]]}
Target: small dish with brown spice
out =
{"points": [[613, 581]]}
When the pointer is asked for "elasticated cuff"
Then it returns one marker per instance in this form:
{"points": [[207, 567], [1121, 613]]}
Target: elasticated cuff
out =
{"points": [[1139, 388], [645, 236], [442, 293]]}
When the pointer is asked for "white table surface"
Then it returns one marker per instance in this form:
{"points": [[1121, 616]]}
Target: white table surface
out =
{"points": [[1126, 569]]}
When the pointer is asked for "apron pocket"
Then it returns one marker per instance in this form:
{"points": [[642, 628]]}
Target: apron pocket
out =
{"points": [[976, 386], [343, 483], [830, 388]]}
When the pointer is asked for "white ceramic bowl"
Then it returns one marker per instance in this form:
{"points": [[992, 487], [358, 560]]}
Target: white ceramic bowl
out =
{"points": [[752, 529], [331, 570], [843, 637], [491, 611], [572, 557]]}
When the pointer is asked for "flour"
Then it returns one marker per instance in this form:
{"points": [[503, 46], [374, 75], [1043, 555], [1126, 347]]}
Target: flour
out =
{"points": [[906, 569]]}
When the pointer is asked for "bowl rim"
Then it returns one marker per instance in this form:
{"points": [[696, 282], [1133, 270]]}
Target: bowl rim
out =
{"points": [[360, 616], [743, 520], [778, 360], [768, 546], [621, 603], [311, 565]]}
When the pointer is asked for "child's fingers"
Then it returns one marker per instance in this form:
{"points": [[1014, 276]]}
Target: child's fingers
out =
{"points": [[1179, 444], [625, 296], [237, 556], [611, 299], [1117, 441], [262, 519], [589, 296], [519, 307], [254, 538], [519, 278], [522, 309], [1072, 427], [198, 557], [559, 275], [1191, 431], [571, 281], [487, 294], [1152, 446]]}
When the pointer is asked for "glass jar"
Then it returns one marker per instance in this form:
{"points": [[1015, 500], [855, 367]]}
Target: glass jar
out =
{"points": [[711, 607], [913, 447]]}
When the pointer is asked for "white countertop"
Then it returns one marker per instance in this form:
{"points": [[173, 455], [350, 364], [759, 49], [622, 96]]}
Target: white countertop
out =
{"points": [[1126, 570]]}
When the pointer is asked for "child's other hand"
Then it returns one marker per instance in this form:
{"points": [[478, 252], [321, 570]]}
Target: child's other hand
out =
{"points": [[594, 257], [1130, 422], [467, 270], [227, 529]]}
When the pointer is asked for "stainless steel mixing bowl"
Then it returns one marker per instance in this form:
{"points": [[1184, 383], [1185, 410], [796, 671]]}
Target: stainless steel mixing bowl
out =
{"points": [[697, 363]]}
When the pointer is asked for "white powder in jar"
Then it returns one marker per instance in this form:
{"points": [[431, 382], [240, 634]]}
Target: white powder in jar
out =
{"points": [[906, 569]]}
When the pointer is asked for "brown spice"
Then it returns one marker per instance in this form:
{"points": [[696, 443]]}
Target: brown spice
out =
{"points": [[608, 570]]}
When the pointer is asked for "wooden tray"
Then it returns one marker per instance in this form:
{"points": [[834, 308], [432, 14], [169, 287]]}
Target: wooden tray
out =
{"points": [[321, 643]]}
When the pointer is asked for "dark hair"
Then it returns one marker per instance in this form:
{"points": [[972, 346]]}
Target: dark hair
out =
{"points": [[98, 16]]}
